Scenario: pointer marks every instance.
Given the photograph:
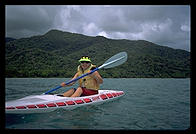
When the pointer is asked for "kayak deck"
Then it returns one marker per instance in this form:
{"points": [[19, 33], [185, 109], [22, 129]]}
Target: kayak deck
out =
{"points": [[47, 103]]}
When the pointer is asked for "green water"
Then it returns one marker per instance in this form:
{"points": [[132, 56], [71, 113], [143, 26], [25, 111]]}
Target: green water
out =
{"points": [[148, 104]]}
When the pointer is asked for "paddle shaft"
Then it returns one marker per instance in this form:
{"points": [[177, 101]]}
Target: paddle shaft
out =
{"points": [[69, 82]]}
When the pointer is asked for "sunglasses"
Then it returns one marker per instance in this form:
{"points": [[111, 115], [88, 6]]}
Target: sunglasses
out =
{"points": [[85, 62]]}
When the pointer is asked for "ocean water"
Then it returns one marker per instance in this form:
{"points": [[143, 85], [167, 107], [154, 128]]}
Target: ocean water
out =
{"points": [[148, 104]]}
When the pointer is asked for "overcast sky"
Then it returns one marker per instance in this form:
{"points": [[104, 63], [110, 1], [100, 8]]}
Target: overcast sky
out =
{"points": [[162, 24]]}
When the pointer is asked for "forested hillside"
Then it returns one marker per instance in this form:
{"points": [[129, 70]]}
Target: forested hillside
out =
{"points": [[56, 54]]}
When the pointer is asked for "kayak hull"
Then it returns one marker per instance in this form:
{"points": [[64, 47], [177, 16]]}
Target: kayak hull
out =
{"points": [[48, 103]]}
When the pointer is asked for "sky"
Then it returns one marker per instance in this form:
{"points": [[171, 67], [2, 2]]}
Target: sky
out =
{"points": [[166, 25]]}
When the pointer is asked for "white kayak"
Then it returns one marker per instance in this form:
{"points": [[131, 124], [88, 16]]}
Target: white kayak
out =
{"points": [[47, 103]]}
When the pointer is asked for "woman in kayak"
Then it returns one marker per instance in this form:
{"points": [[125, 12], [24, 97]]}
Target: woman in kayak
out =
{"points": [[88, 85]]}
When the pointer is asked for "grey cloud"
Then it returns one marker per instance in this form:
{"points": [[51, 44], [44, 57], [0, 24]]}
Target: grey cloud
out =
{"points": [[24, 20], [161, 24]]}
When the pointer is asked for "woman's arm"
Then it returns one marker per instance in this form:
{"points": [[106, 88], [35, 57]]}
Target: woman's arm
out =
{"points": [[75, 76], [97, 77]]}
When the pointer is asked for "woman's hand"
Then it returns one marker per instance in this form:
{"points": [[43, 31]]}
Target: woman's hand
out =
{"points": [[63, 84]]}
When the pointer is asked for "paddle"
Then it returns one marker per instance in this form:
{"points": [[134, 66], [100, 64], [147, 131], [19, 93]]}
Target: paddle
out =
{"points": [[114, 61]]}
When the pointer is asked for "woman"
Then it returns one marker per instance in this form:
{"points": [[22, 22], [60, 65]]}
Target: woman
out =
{"points": [[88, 85]]}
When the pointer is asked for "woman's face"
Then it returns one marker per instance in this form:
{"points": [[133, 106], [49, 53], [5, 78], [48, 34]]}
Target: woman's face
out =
{"points": [[85, 65]]}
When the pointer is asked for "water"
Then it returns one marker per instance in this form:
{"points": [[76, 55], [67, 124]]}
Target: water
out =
{"points": [[148, 104]]}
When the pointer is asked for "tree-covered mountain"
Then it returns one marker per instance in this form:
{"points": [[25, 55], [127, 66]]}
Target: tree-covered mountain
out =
{"points": [[56, 54]]}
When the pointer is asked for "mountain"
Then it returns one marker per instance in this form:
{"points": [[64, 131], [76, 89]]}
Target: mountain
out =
{"points": [[56, 54]]}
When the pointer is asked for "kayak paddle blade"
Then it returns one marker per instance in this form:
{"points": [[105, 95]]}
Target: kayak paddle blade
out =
{"points": [[115, 60]]}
